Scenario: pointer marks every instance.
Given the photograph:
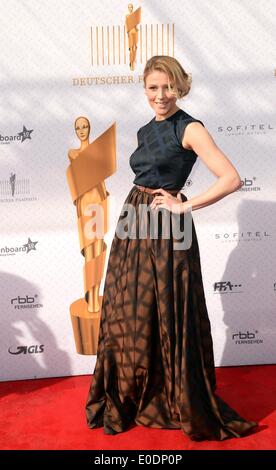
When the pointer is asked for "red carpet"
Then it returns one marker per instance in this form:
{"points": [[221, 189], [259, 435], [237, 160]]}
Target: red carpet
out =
{"points": [[49, 414]]}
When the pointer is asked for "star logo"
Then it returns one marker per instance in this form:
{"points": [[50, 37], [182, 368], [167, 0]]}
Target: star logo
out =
{"points": [[30, 245], [25, 134]]}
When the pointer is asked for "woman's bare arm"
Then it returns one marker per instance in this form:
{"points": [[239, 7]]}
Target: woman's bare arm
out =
{"points": [[228, 180]]}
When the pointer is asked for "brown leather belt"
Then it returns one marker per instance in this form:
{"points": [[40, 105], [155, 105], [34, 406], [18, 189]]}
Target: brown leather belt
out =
{"points": [[145, 189]]}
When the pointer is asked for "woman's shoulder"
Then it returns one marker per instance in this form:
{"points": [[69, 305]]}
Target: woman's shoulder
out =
{"points": [[184, 118]]}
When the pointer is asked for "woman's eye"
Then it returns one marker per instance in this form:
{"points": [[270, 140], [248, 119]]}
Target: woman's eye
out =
{"points": [[154, 88]]}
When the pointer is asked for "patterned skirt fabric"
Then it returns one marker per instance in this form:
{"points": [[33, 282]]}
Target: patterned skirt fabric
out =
{"points": [[155, 363]]}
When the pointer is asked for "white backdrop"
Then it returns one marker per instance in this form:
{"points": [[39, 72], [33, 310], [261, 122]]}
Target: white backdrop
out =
{"points": [[47, 80]]}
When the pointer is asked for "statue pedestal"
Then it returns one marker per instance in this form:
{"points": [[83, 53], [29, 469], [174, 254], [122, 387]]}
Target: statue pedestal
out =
{"points": [[85, 326]]}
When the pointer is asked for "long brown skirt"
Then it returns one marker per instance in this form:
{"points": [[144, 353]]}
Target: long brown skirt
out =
{"points": [[155, 363]]}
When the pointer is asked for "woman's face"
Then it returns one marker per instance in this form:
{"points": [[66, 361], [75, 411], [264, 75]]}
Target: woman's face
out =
{"points": [[157, 91], [82, 129]]}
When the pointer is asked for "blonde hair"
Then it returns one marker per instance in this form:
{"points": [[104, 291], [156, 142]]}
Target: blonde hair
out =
{"points": [[181, 80]]}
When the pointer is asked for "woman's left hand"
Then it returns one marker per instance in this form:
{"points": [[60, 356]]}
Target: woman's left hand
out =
{"points": [[167, 201]]}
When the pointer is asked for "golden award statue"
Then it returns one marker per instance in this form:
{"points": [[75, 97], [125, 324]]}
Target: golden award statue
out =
{"points": [[89, 166], [132, 19]]}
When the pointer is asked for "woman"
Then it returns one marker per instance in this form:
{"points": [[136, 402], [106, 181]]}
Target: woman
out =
{"points": [[155, 363]]}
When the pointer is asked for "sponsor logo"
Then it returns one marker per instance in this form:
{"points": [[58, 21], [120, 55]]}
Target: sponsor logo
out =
{"points": [[227, 287], [34, 349], [25, 134], [15, 189], [247, 337], [247, 236], [12, 250], [249, 184], [27, 301], [246, 129]]}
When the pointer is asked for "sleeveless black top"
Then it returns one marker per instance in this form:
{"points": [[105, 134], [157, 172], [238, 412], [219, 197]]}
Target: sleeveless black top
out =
{"points": [[160, 160]]}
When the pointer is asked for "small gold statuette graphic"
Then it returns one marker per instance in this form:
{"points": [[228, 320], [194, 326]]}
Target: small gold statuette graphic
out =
{"points": [[89, 166], [132, 20]]}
